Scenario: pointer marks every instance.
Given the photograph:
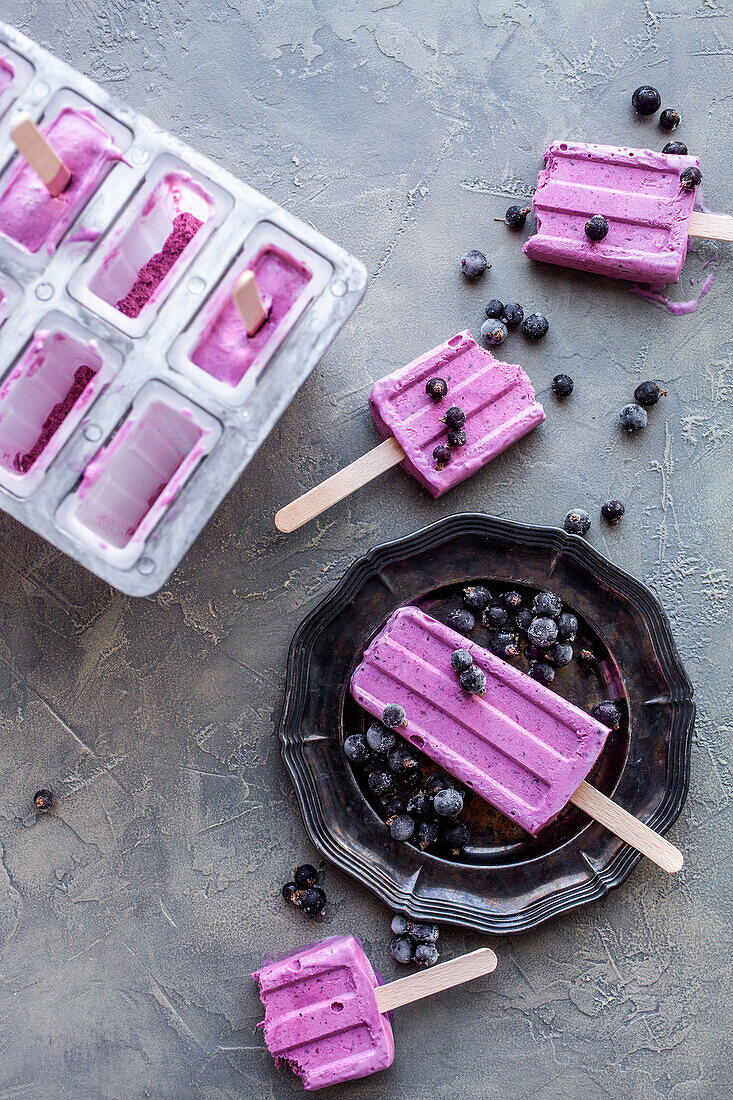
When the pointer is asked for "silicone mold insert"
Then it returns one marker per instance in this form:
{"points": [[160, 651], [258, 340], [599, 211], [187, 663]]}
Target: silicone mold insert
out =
{"points": [[10, 295], [15, 74], [131, 273], [216, 351], [136, 475], [43, 398]]}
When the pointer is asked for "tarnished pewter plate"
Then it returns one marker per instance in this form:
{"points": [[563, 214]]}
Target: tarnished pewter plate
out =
{"points": [[507, 882]]}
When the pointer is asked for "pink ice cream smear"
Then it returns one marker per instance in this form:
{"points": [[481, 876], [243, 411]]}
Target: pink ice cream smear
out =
{"points": [[49, 384], [29, 215], [128, 477], [7, 74], [152, 274], [497, 398], [225, 351], [638, 191], [321, 1015], [521, 747]]}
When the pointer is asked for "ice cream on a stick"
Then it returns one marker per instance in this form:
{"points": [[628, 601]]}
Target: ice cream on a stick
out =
{"points": [[522, 747], [647, 199], [480, 408], [57, 172], [326, 1010]]}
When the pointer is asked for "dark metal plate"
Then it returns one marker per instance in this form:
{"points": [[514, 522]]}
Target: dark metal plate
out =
{"points": [[507, 882]]}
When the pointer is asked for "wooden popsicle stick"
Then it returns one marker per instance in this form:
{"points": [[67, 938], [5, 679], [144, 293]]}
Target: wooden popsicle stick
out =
{"points": [[340, 485], [246, 297], [624, 825], [437, 978], [714, 227], [46, 163]]}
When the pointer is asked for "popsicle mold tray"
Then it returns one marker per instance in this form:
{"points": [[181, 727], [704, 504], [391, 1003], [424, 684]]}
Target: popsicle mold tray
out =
{"points": [[131, 396]]}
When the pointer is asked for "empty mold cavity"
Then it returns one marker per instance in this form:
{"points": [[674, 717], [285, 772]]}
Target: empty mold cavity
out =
{"points": [[44, 396], [132, 271], [10, 296], [135, 476], [90, 142], [216, 350], [15, 75]]}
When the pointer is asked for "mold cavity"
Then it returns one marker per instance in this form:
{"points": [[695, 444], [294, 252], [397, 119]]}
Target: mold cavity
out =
{"points": [[40, 394], [146, 254], [337, 1006], [127, 478], [7, 74]]}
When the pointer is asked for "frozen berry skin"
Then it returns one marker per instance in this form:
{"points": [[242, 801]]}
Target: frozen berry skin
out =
{"points": [[455, 418], [633, 417], [436, 388], [646, 100], [426, 954], [577, 522], [495, 616], [669, 119], [399, 924], [516, 216], [292, 893], [562, 385], [448, 803], [420, 806], [380, 782], [43, 799], [494, 308], [547, 603], [535, 326], [380, 740], [542, 631], [596, 228], [513, 315], [313, 900], [476, 597], [504, 644], [608, 714], [493, 332], [442, 456], [401, 949], [356, 749], [588, 660], [426, 835], [648, 393], [512, 600], [395, 806], [457, 438], [677, 147], [612, 510], [305, 875], [462, 620], [423, 933], [473, 681], [401, 827], [401, 761], [690, 178], [542, 672], [455, 838], [461, 660], [393, 716], [473, 264], [567, 627], [436, 782], [522, 619], [560, 654]]}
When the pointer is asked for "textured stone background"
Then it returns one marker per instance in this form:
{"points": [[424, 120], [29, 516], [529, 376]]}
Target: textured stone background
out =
{"points": [[131, 917]]}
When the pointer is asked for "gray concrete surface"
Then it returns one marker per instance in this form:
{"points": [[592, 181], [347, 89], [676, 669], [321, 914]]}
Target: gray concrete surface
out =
{"points": [[131, 917]]}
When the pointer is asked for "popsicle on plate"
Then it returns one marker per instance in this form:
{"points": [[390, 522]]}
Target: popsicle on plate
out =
{"points": [[520, 746], [325, 1008], [641, 195], [496, 405], [29, 215]]}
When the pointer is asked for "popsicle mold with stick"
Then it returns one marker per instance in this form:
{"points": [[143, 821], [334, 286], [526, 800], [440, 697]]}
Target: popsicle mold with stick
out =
{"points": [[647, 199], [326, 1011], [520, 746], [481, 407]]}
